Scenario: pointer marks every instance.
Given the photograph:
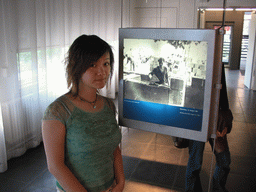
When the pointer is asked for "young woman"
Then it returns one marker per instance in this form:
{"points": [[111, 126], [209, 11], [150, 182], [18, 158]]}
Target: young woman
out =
{"points": [[80, 132]]}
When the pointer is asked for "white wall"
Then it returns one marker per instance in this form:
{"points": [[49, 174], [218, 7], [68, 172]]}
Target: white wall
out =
{"points": [[250, 79], [181, 13], [159, 14]]}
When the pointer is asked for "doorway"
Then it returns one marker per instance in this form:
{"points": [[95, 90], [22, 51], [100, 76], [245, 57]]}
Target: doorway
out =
{"points": [[227, 40], [234, 27], [227, 43]]}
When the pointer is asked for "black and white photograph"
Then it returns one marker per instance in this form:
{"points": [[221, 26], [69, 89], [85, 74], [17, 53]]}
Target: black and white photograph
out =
{"points": [[168, 72]]}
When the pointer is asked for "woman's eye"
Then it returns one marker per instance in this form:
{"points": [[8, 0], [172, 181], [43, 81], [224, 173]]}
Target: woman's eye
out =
{"points": [[93, 65], [107, 64]]}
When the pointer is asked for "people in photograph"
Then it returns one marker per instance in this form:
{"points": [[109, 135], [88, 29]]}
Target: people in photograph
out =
{"points": [[80, 132], [128, 63], [160, 72]]}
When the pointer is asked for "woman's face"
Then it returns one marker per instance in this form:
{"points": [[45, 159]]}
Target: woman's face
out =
{"points": [[96, 76]]}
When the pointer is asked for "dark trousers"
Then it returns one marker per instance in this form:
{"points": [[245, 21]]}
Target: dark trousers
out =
{"points": [[223, 160]]}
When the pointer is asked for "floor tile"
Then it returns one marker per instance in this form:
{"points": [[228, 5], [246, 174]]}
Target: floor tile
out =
{"points": [[180, 178], [130, 164], [154, 173], [250, 119], [238, 127], [241, 183], [44, 182], [134, 149], [132, 186], [169, 155], [238, 117], [242, 137], [136, 135], [9, 185], [29, 170], [242, 149], [164, 140], [243, 166]]}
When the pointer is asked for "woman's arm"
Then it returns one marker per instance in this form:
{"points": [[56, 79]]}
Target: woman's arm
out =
{"points": [[119, 170], [54, 139]]}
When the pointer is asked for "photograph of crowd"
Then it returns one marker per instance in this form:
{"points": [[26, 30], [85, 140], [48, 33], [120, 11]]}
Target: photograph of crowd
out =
{"points": [[171, 72]]}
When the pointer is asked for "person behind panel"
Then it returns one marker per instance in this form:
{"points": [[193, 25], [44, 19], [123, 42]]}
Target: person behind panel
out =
{"points": [[221, 150]]}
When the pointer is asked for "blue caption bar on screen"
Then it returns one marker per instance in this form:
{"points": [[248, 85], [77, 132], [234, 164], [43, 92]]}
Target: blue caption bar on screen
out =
{"points": [[175, 116]]}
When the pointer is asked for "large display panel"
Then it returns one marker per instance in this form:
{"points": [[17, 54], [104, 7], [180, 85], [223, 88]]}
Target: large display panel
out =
{"points": [[166, 78]]}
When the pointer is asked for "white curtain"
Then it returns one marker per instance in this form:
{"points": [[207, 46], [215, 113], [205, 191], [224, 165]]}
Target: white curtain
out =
{"points": [[35, 36]]}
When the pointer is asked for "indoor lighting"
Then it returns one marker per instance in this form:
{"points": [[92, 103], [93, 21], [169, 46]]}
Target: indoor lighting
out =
{"points": [[219, 9], [245, 9]]}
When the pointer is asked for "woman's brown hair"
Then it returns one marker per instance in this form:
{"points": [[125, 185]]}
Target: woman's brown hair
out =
{"points": [[83, 52]]}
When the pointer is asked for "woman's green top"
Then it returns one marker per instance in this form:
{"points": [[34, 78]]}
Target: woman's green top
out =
{"points": [[91, 138]]}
